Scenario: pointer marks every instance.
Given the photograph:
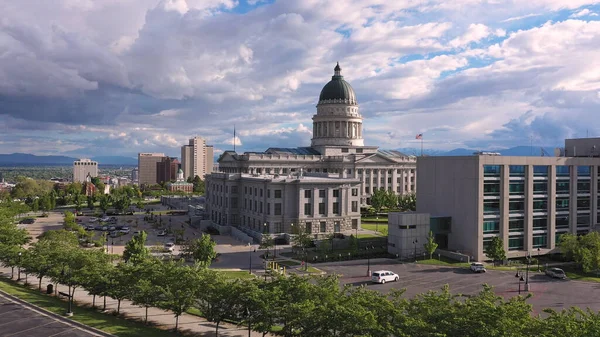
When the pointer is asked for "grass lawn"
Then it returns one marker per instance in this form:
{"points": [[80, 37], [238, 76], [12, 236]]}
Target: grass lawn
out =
{"points": [[373, 220], [443, 262], [236, 273], [575, 274], [288, 263], [381, 228], [87, 316], [368, 236], [313, 270]]}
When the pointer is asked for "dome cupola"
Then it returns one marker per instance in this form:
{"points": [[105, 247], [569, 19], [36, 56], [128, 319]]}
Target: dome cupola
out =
{"points": [[337, 90]]}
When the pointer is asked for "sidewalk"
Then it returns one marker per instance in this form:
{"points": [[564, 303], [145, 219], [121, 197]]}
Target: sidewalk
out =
{"points": [[189, 324]]}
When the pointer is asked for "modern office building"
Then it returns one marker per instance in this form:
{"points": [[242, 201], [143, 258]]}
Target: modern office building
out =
{"points": [[82, 168], [259, 204], [529, 202], [134, 176], [197, 158], [166, 170], [337, 146], [147, 168]]}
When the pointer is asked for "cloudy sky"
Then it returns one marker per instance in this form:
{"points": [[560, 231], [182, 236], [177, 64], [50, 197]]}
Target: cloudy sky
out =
{"points": [[118, 77]]}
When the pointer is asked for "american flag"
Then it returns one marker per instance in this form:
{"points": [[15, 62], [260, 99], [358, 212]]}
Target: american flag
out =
{"points": [[419, 136]]}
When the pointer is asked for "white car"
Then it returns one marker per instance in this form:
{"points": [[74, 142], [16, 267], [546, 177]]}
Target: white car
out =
{"points": [[478, 267], [105, 219], [93, 219], [170, 246], [556, 273], [383, 276]]}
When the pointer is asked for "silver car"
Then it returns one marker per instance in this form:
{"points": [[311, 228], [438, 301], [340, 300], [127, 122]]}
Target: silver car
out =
{"points": [[556, 273]]}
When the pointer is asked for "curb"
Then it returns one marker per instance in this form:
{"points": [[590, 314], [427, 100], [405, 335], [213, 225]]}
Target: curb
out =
{"points": [[57, 317]]}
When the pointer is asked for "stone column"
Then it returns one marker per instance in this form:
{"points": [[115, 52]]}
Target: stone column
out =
{"points": [[359, 130], [402, 176]]}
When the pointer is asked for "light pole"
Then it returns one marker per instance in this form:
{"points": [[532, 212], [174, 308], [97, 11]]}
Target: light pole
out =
{"points": [[368, 262], [415, 243], [19, 267], [520, 280], [68, 276], [527, 272], [112, 245], [538, 260], [250, 266]]}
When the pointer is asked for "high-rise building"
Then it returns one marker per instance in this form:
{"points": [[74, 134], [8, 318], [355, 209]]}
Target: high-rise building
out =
{"points": [[147, 168], [134, 176], [166, 170], [197, 158], [82, 168]]}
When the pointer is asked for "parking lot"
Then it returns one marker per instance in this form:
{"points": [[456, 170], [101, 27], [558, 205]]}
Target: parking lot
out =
{"points": [[21, 321], [416, 278]]}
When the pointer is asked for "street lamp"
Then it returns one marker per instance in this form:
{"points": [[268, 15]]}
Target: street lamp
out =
{"points": [[19, 267], [527, 272], [112, 245], [415, 243], [250, 266], [520, 280], [368, 262], [538, 260], [68, 276]]}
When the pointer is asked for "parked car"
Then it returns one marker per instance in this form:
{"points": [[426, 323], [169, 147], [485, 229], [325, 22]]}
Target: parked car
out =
{"points": [[113, 234], [105, 228], [89, 228], [112, 228], [161, 233], [124, 231], [170, 246], [383, 276], [98, 228], [105, 219], [27, 221], [93, 219], [478, 267], [556, 273]]}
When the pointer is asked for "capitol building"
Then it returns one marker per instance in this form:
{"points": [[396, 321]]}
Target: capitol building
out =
{"points": [[319, 188]]}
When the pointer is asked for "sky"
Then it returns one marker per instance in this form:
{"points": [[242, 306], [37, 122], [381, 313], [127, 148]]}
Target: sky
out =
{"points": [[117, 77]]}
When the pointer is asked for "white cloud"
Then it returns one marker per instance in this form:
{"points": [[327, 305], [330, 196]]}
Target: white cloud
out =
{"points": [[475, 33], [582, 13], [521, 17]]}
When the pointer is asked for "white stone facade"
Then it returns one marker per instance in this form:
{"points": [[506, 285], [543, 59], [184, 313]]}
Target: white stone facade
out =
{"points": [[82, 168]]}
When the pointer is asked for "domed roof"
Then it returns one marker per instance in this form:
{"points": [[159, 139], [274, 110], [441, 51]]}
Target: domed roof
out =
{"points": [[337, 90], [180, 171]]}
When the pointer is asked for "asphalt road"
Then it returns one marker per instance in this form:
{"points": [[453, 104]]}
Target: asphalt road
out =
{"points": [[417, 278], [21, 321]]}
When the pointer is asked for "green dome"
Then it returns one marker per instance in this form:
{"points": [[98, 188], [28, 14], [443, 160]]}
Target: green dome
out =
{"points": [[337, 90]]}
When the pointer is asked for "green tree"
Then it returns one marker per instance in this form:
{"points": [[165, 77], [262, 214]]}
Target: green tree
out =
{"points": [[378, 199], [135, 250], [78, 199], [430, 246], [198, 185], [266, 243], [181, 285], [104, 202], [202, 250], [146, 291], [97, 274], [584, 250], [90, 202], [218, 299], [407, 203], [120, 280], [495, 250]]}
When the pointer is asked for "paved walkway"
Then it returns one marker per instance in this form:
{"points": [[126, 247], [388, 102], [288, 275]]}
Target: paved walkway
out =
{"points": [[190, 324]]}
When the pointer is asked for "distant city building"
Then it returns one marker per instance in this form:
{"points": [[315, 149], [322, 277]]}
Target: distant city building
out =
{"points": [[134, 175], [166, 170], [529, 202], [82, 168], [181, 184], [259, 204], [147, 168], [197, 158]]}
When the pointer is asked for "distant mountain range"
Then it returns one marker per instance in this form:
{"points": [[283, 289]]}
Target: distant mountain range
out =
{"points": [[33, 160], [513, 151]]}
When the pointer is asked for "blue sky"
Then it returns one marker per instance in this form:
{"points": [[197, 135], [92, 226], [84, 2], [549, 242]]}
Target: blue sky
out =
{"points": [[118, 77]]}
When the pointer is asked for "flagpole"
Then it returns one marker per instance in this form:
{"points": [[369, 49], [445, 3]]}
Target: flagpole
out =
{"points": [[233, 137], [421, 146]]}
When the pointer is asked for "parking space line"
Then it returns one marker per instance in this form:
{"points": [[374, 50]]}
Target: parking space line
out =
{"points": [[32, 328]]}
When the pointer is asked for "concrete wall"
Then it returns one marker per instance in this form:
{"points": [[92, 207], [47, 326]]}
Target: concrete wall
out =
{"points": [[407, 233]]}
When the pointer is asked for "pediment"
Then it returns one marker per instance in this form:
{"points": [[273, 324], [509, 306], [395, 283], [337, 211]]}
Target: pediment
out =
{"points": [[227, 156], [375, 159]]}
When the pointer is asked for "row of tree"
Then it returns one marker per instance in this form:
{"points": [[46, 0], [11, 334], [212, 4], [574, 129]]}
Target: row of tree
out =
{"points": [[382, 198]]}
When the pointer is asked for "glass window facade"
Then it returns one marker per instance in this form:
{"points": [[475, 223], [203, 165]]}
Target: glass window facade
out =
{"points": [[515, 243], [516, 188], [583, 187], [540, 223], [563, 187], [583, 203], [540, 240], [584, 171], [491, 226], [583, 220], [540, 187], [516, 206], [516, 225], [491, 207], [491, 188], [516, 170], [563, 171], [540, 171], [491, 170], [562, 222], [562, 204], [540, 204]]}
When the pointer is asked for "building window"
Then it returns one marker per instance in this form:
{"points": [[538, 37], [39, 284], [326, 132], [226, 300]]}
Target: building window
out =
{"points": [[491, 170], [323, 226], [336, 227], [491, 227], [245, 189], [584, 171], [486, 243], [491, 207], [321, 193], [355, 206], [277, 194], [360, 171], [234, 189], [563, 171], [583, 187], [516, 225], [540, 171], [540, 223], [563, 187], [255, 208], [336, 193], [583, 220], [562, 204], [516, 206], [515, 243], [277, 209], [562, 222], [539, 240], [261, 192], [344, 150], [307, 208], [583, 203], [540, 204], [491, 188], [516, 188], [260, 207], [255, 191], [268, 208], [516, 170], [336, 208], [355, 192], [307, 193], [321, 208], [540, 187], [354, 223], [309, 228], [359, 150], [268, 193]]}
